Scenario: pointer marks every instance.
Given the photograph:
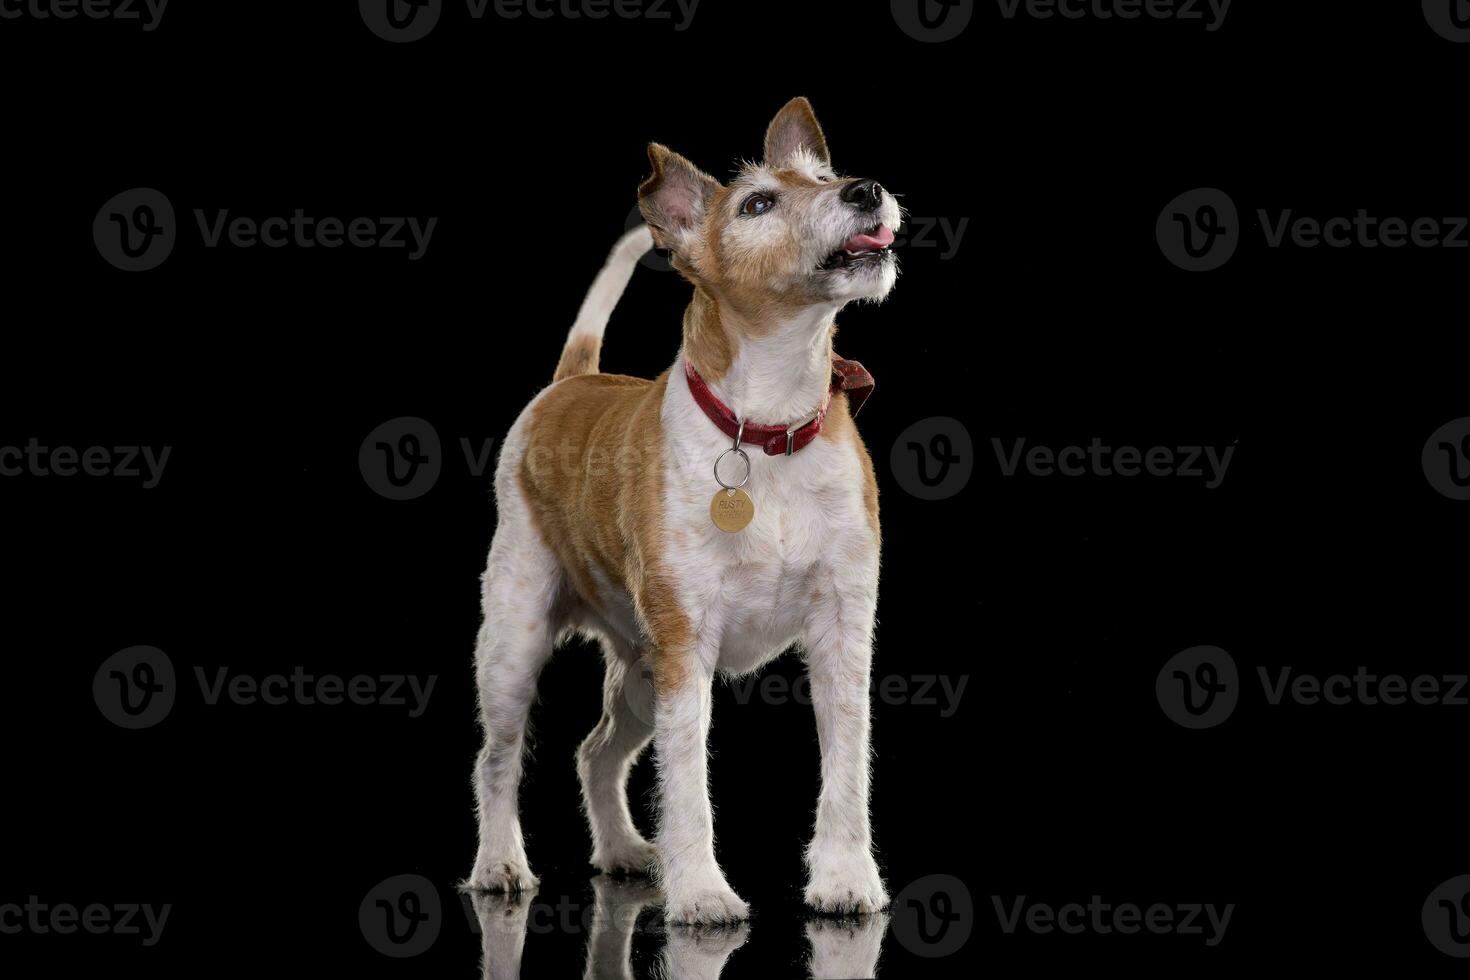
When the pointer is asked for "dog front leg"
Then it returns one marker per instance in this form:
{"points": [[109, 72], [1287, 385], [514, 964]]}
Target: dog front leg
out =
{"points": [[692, 881], [842, 875]]}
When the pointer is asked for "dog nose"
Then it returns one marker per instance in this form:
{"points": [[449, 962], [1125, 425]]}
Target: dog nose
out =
{"points": [[866, 194]]}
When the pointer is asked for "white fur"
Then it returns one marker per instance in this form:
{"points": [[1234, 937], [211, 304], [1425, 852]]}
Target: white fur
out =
{"points": [[749, 597], [783, 379], [608, 287]]}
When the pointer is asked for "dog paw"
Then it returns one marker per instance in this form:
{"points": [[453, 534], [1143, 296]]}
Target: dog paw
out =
{"points": [[506, 875], [634, 857], [849, 885], [705, 907]]}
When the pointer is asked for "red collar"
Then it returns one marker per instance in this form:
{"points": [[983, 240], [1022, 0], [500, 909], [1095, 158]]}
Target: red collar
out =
{"points": [[848, 376]]}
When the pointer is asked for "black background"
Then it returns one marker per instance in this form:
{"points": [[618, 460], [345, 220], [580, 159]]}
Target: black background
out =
{"points": [[1057, 319]]}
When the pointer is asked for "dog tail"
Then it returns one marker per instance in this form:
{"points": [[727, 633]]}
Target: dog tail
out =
{"points": [[584, 344]]}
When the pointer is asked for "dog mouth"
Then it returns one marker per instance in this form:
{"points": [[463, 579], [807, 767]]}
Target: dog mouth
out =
{"points": [[865, 248]]}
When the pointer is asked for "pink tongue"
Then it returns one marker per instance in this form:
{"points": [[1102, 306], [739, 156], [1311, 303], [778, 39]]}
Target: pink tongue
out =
{"points": [[870, 243]]}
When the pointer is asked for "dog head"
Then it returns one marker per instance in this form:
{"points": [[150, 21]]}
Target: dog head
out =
{"points": [[784, 234]]}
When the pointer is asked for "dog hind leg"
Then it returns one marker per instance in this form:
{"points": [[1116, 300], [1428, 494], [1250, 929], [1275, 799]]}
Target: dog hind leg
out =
{"points": [[605, 759], [523, 582]]}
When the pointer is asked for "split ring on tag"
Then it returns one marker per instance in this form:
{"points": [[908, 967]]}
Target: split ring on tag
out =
{"points": [[732, 509], [743, 458]]}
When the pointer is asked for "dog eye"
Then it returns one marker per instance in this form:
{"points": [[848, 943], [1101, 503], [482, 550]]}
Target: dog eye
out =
{"points": [[757, 204]]}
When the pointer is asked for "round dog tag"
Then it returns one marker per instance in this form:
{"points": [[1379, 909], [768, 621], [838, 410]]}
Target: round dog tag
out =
{"points": [[731, 510]]}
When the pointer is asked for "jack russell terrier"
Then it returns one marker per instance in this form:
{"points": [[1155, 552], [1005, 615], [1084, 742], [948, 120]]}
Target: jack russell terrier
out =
{"points": [[629, 512]]}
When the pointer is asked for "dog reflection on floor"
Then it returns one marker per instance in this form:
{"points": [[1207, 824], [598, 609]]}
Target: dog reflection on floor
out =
{"points": [[841, 949]]}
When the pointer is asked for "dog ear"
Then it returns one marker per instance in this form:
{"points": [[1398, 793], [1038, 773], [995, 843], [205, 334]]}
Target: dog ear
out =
{"points": [[674, 199], [795, 129]]}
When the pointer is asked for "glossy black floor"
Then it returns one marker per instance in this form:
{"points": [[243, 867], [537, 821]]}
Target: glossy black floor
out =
{"points": [[1053, 787]]}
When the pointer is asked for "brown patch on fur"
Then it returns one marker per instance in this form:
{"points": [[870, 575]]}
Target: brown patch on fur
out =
{"points": [[797, 180], [580, 356], [592, 475], [709, 347]]}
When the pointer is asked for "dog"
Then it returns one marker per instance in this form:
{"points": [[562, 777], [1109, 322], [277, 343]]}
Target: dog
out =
{"points": [[631, 512]]}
